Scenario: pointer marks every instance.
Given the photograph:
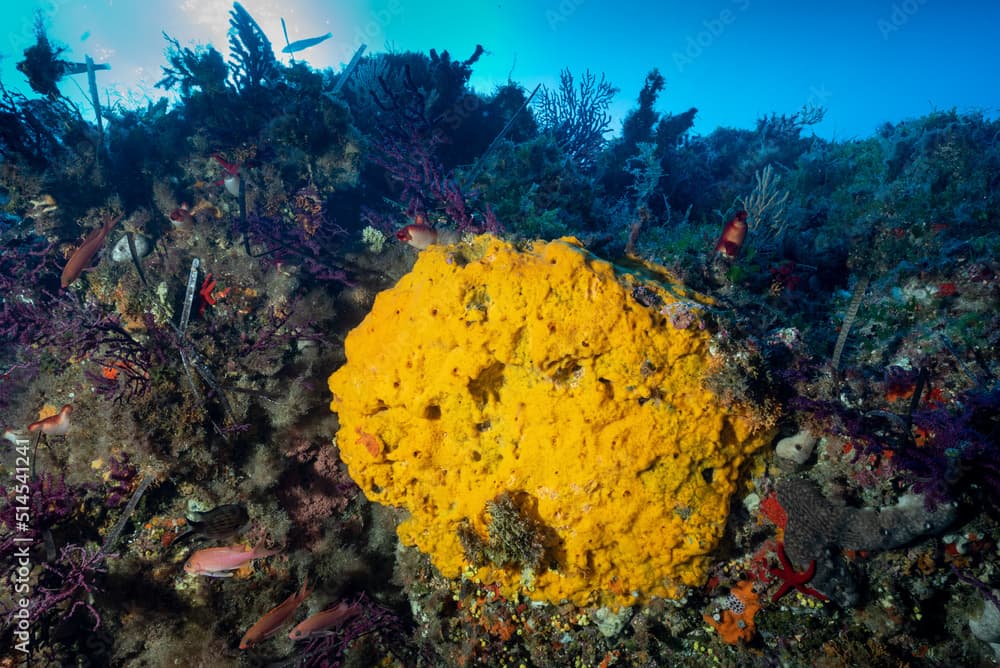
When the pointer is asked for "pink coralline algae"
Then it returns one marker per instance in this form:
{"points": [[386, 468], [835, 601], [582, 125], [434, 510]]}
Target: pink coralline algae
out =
{"points": [[49, 501], [120, 480], [74, 577], [315, 490]]}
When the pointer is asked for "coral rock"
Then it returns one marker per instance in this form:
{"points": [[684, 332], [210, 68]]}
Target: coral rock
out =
{"points": [[986, 626], [558, 378], [797, 448], [120, 252]]}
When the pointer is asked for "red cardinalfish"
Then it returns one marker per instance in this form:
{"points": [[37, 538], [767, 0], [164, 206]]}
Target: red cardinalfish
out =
{"points": [[81, 257], [325, 620], [420, 235], [218, 562], [53, 425], [733, 236], [274, 618]]}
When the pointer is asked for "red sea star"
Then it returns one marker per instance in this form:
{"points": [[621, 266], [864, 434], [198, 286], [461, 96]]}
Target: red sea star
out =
{"points": [[208, 299], [792, 579]]}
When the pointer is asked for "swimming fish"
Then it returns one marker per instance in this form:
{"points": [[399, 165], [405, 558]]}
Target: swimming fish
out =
{"points": [[54, 425], [302, 44], [81, 257], [324, 621], [275, 618], [215, 524], [733, 236], [420, 235], [219, 562]]}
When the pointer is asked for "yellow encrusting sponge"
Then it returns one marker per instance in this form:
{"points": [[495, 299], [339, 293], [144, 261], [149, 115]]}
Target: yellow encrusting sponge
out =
{"points": [[558, 380]]}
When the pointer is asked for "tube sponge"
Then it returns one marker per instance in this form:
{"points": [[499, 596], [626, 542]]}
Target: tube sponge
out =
{"points": [[557, 381]]}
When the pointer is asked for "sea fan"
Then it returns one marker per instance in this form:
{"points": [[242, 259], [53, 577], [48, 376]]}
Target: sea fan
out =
{"points": [[252, 61]]}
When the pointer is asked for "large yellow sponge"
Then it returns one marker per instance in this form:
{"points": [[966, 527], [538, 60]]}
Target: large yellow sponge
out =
{"points": [[559, 381]]}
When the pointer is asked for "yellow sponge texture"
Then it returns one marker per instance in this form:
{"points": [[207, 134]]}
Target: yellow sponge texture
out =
{"points": [[569, 383]]}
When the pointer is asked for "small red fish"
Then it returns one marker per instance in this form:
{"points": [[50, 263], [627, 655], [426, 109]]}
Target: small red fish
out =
{"points": [[274, 618], [81, 257], [324, 621], [218, 562], [418, 235], [54, 425], [733, 236]]}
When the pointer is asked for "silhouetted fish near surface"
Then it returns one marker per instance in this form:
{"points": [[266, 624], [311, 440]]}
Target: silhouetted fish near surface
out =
{"points": [[303, 44], [215, 524]]}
